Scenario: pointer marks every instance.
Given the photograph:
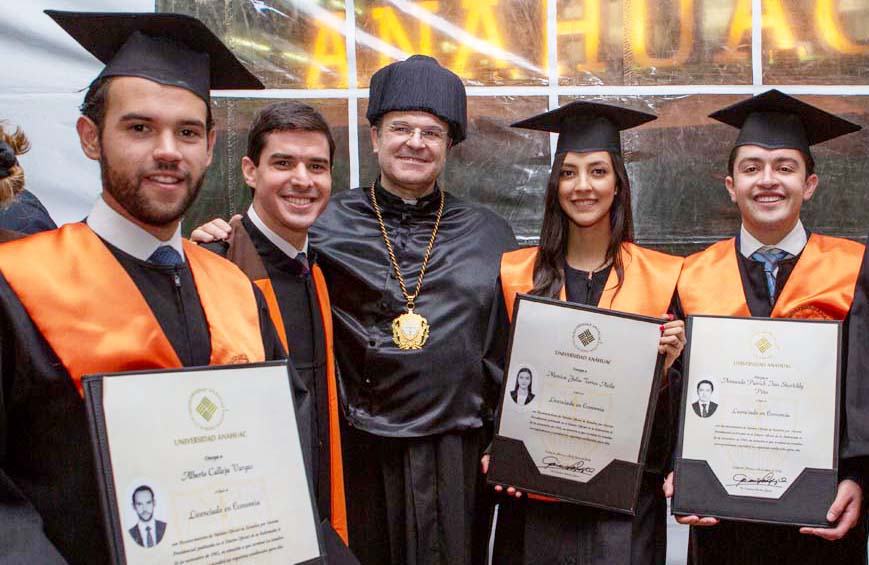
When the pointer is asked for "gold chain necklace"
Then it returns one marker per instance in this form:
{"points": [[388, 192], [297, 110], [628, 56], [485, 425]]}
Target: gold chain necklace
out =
{"points": [[409, 330]]}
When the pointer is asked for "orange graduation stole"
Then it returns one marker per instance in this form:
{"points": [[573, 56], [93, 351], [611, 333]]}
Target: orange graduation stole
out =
{"points": [[95, 319], [243, 253], [647, 288], [820, 287]]}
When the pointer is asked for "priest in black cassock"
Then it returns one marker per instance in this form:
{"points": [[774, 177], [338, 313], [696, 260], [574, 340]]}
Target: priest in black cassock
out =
{"points": [[776, 268], [121, 291], [411, 272]]}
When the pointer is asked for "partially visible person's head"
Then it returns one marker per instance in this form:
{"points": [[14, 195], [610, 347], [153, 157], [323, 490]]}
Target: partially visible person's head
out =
{"points": [[143, 503], [12, 144], [524, 380], [417, 110], [704, 390], [288, 167]]}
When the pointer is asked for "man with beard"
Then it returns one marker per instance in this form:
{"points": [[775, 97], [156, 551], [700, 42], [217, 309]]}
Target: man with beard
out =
{"points": [[122, 291], [411, 271]]}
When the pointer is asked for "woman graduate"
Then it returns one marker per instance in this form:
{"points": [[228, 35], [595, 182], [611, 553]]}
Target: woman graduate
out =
{"points": [[586, 255]]}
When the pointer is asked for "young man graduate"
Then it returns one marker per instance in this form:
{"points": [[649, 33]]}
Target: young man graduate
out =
{"points": [[288, 166], [775, 268], [122, 291], [411, 271]]}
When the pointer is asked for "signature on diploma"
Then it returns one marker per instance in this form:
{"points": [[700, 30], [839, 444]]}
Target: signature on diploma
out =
{"points": [[552, 462], [768, 479]]}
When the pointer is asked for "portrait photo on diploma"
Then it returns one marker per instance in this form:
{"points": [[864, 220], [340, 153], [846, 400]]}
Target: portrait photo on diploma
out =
{"points": [[759, 416], [575, 410], [143, 516]]}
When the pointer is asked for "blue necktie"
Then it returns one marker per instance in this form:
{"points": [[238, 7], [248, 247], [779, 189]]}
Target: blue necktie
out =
{"points": [[303, 262], [770, 257], [165, 255]]}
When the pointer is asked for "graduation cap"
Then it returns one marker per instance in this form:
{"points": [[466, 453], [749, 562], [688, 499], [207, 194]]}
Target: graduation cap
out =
{"points": [[420, 83], [587, 126], [171, 49], [777, 121]]}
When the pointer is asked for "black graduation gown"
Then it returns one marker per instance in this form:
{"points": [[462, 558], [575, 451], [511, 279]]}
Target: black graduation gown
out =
{"points": [[48, 492], [303, 324], [740, 543], [536, 532], [417, 421]]}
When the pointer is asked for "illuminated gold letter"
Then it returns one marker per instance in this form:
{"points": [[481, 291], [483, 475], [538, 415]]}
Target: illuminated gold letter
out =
{"points": [[390, 30], [638, 23], [827, 21], [329, 52], [773, 18], [589, 27], [481, 14]]}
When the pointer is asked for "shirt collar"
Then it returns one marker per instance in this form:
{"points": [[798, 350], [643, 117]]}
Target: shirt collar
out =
{"points": [[277, 240], [152, 524], [793, 242], [424, 205], [130, 238]]}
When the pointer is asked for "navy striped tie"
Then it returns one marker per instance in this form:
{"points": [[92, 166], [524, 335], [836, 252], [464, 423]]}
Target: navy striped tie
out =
{"points": [[770, 257]]}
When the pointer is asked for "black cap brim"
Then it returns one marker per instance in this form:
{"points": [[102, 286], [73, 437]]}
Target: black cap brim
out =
{"points": [[105, 35], [777, 121], [587, 126]]}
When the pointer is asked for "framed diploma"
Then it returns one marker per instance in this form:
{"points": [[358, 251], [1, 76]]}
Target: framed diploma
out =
{"points": [[202, 466], [577, 403], [760, 418]]}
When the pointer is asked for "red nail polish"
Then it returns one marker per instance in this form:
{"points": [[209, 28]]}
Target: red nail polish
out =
{"points": [[662, 327]]}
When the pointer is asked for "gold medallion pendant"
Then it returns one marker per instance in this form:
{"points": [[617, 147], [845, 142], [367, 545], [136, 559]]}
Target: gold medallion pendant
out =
{"points": [[410, 330]]}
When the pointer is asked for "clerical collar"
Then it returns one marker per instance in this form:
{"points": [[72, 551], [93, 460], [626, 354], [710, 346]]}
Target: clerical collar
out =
{"points": [[388, 200], [793, 242], [125, 235], [279, 242]]}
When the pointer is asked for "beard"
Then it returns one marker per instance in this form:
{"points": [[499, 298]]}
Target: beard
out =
{"points": [[126, 191]]}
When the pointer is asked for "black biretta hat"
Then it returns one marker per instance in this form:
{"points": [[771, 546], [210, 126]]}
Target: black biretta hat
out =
{"points": [[420, 83], [587, 126], [171, 49], [777, 121]]}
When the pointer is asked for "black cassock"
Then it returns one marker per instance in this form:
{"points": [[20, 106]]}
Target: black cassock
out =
{"points": [[417, 422], [738, 543], [553, 533], [49, 504]]}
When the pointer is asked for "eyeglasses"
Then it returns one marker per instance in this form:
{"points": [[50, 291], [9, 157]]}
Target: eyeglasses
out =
{"points": [[430, 136]]}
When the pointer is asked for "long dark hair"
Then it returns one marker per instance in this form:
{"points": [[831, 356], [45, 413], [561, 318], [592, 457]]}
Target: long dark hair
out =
{"points": [[530, 375], [549, 266]]}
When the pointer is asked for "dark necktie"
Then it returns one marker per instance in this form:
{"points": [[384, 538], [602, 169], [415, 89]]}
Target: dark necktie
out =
{"points": [[770, 257], [303, 262], [165, 255], [703, 410], [149, 541]]}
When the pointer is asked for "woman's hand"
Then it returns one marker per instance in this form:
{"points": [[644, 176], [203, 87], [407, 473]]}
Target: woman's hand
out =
{"points": [[484, 463], [672, 340]]}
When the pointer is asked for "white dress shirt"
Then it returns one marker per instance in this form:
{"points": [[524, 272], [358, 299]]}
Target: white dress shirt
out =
{"points": [[125, 235], [279, 242], [793, 242]]}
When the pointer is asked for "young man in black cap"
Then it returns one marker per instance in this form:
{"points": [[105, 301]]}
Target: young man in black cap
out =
{"points": [[116, 293], [775, 268]]}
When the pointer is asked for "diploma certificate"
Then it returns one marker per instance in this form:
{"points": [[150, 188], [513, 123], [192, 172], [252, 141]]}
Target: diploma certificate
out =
{"points": [[202, 466], [577, 403], [759, 434]]}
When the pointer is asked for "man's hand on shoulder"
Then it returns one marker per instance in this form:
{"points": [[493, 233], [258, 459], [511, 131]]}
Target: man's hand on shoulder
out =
{"points": [[215, 230]]}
